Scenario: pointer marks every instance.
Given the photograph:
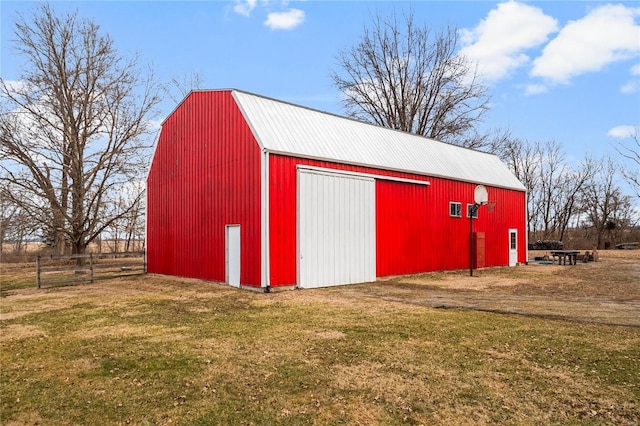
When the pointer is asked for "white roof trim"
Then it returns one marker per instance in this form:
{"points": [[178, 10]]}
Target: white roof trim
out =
{"points": [[249, 122], [324, 170]]}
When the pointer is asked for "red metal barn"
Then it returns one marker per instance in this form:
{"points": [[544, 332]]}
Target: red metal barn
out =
{"points": [[257, 192]]}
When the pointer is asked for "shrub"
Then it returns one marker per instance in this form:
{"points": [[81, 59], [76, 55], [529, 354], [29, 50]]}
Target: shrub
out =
{"points": [[546, 245]]}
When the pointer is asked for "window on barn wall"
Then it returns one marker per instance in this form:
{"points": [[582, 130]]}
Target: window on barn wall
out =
{"points": [[470, 211], [455, 209]]}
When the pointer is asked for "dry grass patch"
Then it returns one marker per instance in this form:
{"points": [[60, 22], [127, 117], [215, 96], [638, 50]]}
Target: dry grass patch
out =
{"points": [[19, 331], [331, 334], [607, 291], [155, 350]]}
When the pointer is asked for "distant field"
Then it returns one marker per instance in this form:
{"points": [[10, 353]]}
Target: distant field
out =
{"points": [[30, 249], [537, 344]]}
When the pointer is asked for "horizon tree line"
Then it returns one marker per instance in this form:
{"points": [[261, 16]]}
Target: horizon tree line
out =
{"points": [[75, 131]]}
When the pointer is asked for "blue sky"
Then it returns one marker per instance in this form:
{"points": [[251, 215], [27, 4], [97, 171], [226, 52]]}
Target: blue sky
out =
{"points": [[562, 70]]}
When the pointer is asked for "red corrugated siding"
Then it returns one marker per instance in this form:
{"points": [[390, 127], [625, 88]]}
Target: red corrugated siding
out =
{"points": [[402, 228], [205, 174], [414, 230]]}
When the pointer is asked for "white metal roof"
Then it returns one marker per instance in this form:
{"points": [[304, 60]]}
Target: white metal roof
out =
{"points": [[284, 128]]}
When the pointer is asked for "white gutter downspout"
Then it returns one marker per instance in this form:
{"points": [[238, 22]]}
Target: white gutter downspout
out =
{"points": [[264, 205]]}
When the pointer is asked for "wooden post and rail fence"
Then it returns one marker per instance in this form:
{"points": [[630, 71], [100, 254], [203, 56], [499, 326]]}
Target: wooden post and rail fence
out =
{"points": [[72, 269]]}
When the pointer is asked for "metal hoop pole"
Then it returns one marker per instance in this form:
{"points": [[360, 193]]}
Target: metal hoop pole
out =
{"points": [[474, 209]]}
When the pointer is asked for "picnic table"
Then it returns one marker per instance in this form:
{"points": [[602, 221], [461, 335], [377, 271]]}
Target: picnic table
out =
{"points": [[563, 255]]}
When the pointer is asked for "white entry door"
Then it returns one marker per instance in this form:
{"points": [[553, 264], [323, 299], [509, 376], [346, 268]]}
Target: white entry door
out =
{"points": [[233, 255], [336, 229], [513, 247]]}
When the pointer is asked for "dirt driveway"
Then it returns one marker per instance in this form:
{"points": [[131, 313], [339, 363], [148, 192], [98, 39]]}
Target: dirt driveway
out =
{"points": [[607, 291]]}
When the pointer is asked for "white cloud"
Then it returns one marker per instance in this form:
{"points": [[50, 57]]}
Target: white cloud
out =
{"points": [[607, 34], [155, 125], [498, 42], [633, 85], [245, 7], [622, 131], [285, 20], [16, 86], [535, 89]]}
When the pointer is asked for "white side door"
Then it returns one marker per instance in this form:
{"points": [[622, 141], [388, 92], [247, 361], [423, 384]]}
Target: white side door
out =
{"points": [[233, 255], [513, 247]]}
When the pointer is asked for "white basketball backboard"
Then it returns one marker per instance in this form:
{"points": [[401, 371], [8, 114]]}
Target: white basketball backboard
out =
{"points": [[480, 195]]}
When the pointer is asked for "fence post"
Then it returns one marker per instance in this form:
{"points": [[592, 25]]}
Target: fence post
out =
{"points": [[38, 271], [91, 267]]}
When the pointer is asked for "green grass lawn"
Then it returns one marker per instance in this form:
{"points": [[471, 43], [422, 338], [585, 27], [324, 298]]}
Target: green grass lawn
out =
{"points": [[151, 350]]}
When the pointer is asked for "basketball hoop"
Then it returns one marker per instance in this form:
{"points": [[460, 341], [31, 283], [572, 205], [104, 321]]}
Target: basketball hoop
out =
{"points": [[480, 197]]}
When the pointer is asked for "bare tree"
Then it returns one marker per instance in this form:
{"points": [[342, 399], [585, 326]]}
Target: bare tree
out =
{"points": [[76, 125], [568, 200], [402, 76], [559, 191], [631, 151], [523, 158], [8, 213], [135, 227], [129, 228], [552, 175], [184, 85], [604, 206], [553, 187], [16, 227]]}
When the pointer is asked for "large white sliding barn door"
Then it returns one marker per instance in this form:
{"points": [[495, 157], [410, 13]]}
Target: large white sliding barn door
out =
{"points": [[336, 229]]}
